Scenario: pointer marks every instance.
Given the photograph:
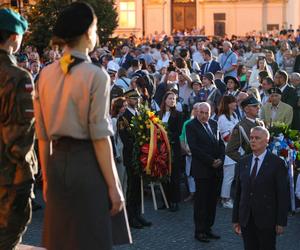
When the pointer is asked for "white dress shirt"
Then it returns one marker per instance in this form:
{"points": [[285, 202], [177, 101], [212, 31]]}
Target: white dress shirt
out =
{"points": [[260, 161]]}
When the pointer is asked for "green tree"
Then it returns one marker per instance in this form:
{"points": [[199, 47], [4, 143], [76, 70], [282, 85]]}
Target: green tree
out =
{"points": [[43, 15]]}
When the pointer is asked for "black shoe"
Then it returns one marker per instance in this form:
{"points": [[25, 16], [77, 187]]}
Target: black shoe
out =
{"points": [[134, 223], [35, 206], [162, 207], [174, 207], [202, 238], [144, 222], [211, 235]]}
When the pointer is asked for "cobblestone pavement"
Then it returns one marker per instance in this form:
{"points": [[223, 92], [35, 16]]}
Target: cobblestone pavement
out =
{"points": [[174, 231]]}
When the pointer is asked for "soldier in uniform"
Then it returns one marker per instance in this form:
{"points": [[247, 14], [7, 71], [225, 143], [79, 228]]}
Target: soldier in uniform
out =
{"points": [[17, 158], [239, 143], [133, 179]]}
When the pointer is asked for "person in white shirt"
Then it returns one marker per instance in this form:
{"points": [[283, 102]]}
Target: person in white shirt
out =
{"points": [[163, 62], [226, 122]]}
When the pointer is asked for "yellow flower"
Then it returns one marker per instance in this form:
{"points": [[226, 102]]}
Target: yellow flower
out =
{"points": [[156, 120], [144, 137], [141, 126], [139, 117]]}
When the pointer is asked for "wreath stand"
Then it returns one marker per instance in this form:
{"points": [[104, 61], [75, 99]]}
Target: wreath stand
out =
{"points": [[152, 185]]}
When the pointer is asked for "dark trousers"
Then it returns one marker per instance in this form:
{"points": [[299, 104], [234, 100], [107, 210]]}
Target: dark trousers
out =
{"points": [[15, 214], [172, 188], [258, 239], [133, 195], [205, 202]]}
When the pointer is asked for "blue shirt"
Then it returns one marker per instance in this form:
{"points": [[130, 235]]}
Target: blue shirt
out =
{"points": [[227, 60]]}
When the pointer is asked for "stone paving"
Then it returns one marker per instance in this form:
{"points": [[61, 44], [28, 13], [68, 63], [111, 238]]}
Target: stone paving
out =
{"points": [[174, 231]]}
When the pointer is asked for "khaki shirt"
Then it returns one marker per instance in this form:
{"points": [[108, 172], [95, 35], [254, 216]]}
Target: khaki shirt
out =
{"points": [[75, 104]]}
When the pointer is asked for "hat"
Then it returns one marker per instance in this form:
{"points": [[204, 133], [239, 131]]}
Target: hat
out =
{"points": [[112, 67], [210, 76], [132, 93], [22, 58], [195, 79], [12, 21], [250, 101], [237, 83], [74, 20], [275, 91]]}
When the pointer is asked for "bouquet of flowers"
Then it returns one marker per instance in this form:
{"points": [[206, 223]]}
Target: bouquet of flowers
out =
{"points": [[285, 142], [151, 151]]}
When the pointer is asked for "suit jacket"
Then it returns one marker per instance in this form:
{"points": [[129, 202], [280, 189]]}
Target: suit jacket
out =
{"points": [[213, 67], [221, 86], [204, 149], [237, 140], [289, 96], [174, 127], [126, 64], [268, 200], [284, 113]]}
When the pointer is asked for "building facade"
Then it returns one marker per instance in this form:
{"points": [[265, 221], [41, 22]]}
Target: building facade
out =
{"points": [[216, 17]]}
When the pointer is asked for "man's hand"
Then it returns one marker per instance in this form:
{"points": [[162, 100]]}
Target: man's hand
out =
{"points": [[237, 228], [217, 163], [116, 200], [279, 230]]}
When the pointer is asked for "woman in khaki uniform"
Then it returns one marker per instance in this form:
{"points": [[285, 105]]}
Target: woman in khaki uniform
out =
{"points": [[81, 186]]}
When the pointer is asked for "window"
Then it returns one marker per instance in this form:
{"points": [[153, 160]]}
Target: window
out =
{"points": [[127, 14]]}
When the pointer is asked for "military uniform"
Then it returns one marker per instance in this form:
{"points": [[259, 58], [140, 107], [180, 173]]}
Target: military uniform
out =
{"points": [[17, 158], [238, 140], [133, 195]]}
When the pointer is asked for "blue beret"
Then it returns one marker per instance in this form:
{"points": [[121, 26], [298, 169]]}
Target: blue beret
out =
{"points": [[12, 21]]}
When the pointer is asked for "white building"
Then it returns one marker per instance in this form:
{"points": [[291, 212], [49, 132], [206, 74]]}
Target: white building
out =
{"points": [[217, 16]]}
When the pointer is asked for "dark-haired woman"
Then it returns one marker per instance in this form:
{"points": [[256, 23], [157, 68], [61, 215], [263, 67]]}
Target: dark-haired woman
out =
{"points": [[226, 122], [81, 186], [118, 107], [173, 120]]}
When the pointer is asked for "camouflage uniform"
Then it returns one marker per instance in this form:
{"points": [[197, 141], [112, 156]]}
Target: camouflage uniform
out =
{"points": [[17, 158]]}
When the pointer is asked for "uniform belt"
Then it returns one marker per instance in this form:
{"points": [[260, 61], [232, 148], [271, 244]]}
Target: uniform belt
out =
{"points": [[70, 144]]}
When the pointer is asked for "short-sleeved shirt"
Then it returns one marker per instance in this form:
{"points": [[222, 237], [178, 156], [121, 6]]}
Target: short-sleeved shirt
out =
{"points": [[75, 104], [227, 60]]}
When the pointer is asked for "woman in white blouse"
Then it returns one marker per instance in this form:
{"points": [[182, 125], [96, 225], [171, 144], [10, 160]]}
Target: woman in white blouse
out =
{"points": [[226, 122], [260, 66]]}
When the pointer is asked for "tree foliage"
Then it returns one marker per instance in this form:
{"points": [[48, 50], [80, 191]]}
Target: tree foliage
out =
{"points": [[43, 15]]}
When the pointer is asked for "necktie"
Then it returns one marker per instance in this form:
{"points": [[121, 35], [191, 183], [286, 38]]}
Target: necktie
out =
{"points": [[254, 170], [206, 67], [208, 131]]}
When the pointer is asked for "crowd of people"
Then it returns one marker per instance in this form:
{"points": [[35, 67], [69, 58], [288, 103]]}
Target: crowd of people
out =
{"points": [[217, 98]]}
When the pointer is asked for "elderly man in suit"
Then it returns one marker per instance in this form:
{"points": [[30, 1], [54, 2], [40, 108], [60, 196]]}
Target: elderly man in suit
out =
{"points": [[261, 203], [207, 150], [276, 110]]}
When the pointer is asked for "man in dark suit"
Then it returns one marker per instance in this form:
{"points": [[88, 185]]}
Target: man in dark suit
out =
{"points": [[207, 150], [210, 65], [289, 94], [133, 196], [126, 59], [261, 203]]}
